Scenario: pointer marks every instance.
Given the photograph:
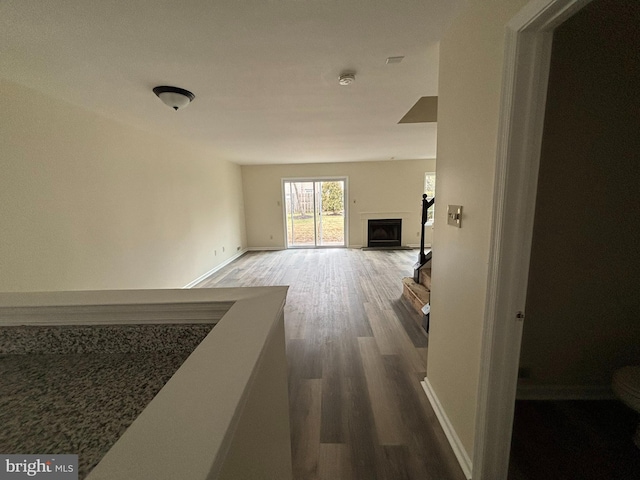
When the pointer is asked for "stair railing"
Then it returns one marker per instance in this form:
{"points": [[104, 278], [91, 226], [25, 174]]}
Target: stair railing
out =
{"points": [[423, 258]]}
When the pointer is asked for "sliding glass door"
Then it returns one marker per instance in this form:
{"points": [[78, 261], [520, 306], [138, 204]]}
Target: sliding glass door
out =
{"points": [[315, 212]]}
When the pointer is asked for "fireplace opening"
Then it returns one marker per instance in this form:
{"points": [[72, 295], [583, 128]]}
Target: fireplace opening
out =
{"points": [[385, 233]]}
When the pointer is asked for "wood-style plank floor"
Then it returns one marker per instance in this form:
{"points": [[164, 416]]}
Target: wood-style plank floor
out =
{"points": [[356, 357]]}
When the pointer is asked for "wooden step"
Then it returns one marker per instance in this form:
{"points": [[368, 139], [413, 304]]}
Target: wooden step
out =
{"points": [[425, 275], [417, 294]]}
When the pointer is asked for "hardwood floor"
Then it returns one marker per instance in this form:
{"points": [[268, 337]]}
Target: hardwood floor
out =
{"points": [[356, 357]]}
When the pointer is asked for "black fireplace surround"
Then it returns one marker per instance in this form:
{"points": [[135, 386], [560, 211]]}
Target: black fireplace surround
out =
{"points": [[385, 233]]}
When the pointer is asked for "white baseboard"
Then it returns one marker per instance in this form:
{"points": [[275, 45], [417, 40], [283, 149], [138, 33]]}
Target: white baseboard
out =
{"points": [[564, 392], [262, 249], [449, 431], [355, 246], [215, 269]]}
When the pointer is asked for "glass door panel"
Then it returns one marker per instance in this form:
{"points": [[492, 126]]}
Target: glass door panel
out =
{"points": [[330, 199], [300, 214]]}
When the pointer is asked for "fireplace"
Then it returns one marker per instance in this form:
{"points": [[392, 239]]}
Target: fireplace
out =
{"points": [[385, 233]]}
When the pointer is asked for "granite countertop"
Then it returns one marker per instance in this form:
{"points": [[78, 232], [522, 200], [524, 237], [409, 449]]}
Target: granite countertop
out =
{"points": [[81, 403]]}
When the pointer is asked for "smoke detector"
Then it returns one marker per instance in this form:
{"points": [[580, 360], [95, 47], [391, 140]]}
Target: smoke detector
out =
{"points": [[346, 78]]}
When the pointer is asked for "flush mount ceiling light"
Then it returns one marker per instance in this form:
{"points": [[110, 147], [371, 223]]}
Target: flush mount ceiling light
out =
{"points": [[174, 97], [347, 78]]}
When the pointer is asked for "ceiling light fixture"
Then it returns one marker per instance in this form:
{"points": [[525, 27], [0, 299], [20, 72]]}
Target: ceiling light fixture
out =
{"points": [[347, 78], [174, 97]]}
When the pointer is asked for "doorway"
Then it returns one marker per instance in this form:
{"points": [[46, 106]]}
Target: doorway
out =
{"points": [[572, 343], [528, 44], [315, 212]]}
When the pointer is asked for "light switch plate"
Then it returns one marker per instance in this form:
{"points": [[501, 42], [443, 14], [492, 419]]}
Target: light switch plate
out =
{"points": [[454, 215]]}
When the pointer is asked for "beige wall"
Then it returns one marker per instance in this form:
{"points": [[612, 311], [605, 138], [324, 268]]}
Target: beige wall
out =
{"points": [[89, 203], [583, 300], [471, 60], [392, 187]]}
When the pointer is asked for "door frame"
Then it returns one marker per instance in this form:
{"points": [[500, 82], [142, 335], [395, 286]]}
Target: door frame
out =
{"points": [[522, 106], [343, 178]]}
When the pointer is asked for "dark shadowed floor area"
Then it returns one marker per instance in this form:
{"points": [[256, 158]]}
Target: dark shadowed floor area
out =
{"points": [[568, 440]]}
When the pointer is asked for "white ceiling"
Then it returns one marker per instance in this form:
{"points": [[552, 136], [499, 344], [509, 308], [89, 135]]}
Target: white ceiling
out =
{"points": [[264, 72]]}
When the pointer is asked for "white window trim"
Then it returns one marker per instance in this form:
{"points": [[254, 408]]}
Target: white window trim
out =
{"points": [[429, 222]]}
